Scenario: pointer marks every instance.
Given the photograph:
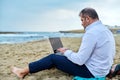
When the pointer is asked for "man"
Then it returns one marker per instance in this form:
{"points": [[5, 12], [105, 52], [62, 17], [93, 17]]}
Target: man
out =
{"points": [[94, 57]]}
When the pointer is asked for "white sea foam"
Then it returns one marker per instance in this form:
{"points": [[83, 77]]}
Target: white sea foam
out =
{"points": [[31, 36]]}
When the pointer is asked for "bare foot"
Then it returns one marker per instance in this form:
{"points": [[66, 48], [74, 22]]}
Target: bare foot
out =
{"points": [[110, 75], [113, 68], [18, 71]]}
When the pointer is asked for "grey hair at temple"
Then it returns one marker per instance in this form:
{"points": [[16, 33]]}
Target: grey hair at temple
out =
{"points": [[89, 12]]}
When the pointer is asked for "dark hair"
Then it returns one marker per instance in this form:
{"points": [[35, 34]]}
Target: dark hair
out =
{"points": [[90, 12]]}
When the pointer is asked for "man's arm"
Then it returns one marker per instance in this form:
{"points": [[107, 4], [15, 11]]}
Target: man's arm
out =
{"points": [[85, 50]]}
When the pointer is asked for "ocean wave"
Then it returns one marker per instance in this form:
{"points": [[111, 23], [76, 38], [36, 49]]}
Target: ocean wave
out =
{"points": [[31, 36]]}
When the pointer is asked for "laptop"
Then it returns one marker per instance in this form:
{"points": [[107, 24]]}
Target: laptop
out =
{"points": [[55, 44]]}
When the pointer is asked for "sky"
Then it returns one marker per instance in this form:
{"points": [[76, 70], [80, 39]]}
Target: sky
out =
{"points": [[53, 15]]}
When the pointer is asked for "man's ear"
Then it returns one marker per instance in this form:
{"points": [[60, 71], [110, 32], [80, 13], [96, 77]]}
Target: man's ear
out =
{"points": [[87, 19]]}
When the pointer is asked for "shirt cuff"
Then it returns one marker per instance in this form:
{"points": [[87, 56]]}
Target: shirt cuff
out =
{"points": [[67, 53]]}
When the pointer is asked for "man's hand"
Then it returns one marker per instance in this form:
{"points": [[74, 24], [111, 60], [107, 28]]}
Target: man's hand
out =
{"points": [[62, 50]]}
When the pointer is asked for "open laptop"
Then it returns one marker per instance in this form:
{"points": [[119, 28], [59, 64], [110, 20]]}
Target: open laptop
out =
{"points": [[55, 44]]}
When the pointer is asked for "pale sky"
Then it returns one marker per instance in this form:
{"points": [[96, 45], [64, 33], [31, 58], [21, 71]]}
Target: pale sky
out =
{"points": [[53, 15]]}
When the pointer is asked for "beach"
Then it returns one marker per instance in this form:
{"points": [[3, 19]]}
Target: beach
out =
{"points": [[21, 54]]}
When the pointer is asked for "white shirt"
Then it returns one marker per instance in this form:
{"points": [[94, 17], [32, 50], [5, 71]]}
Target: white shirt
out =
{"points": [[97, 50]]}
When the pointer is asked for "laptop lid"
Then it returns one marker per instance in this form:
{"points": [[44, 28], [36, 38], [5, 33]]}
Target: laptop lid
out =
{"points": [[55, 43]]}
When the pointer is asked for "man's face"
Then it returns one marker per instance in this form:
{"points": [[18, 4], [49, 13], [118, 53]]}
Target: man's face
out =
{"points": [[84, 21]]}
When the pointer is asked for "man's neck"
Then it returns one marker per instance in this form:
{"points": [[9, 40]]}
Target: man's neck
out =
{"points": [[93, 20]]}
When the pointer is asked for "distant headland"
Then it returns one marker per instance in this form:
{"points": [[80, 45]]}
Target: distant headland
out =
{"points": [[114, 29]]}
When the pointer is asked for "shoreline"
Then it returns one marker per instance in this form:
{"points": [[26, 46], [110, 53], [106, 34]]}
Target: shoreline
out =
{"points": [[30, 36]]}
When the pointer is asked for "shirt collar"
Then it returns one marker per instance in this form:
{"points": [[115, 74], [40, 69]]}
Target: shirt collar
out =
{"points": [[92, 25]]}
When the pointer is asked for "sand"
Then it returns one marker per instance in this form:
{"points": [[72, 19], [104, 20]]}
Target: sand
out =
{"points": [[22, 53]]}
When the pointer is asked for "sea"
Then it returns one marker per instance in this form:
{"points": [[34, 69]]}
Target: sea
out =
{"points": [[22, 37]]}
